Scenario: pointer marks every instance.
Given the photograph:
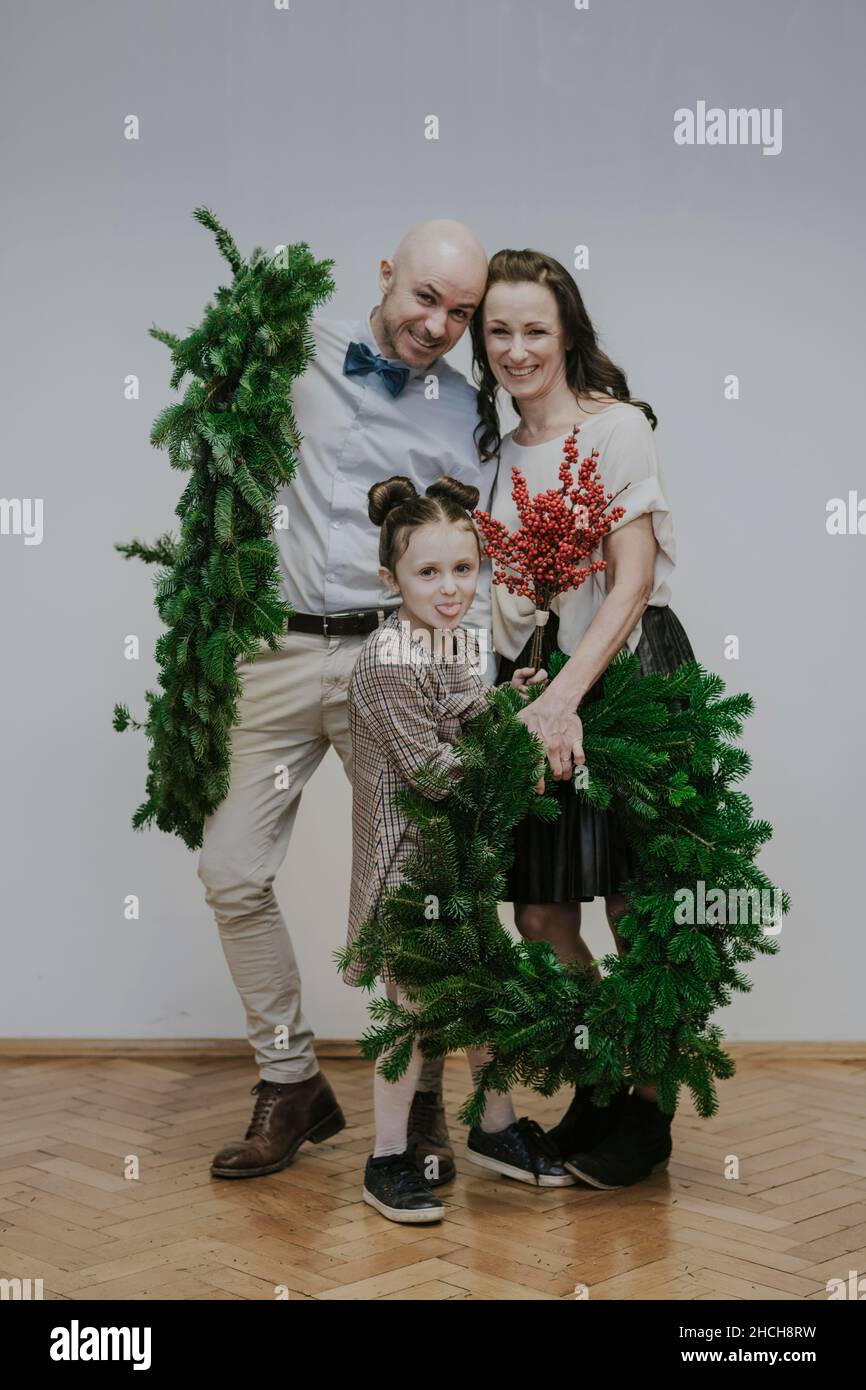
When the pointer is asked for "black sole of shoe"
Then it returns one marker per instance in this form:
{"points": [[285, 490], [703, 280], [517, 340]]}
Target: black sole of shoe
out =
{"points": [[332, 1124], [615, 1186]]}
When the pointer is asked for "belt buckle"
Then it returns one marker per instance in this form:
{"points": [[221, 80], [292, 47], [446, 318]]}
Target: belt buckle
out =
{"points": [[351, 613], [344, 613]]}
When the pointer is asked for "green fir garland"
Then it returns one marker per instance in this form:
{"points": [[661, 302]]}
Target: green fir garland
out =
{"points": [[660, 749], [218, 586]]}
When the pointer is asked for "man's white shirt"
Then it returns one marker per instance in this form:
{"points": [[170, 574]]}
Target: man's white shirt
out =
{"points": [[355, 433]]}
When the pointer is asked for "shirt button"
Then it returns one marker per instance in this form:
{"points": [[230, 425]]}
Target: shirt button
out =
{"points": [[329, 576], [336, 523]]}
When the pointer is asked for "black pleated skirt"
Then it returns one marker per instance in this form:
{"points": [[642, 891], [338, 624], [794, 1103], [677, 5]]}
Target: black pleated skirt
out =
{"points": [[584, 854]]}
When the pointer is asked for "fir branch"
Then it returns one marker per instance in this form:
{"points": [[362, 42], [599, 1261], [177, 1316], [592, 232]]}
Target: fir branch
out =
{"points": [[220, 594], [162, 552]]}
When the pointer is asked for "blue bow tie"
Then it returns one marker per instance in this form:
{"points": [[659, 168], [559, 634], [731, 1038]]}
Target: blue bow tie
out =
{"points": [[360, 360]]}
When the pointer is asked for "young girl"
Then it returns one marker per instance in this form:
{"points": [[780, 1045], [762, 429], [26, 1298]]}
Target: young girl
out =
{"points": [[408, 700]]}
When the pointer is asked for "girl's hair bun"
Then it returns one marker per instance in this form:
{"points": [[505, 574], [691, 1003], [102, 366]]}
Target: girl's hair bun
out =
{"points": [[385, 496], [398, 509], [463, 494]]}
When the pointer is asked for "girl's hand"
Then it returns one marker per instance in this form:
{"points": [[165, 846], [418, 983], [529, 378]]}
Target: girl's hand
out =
{"points": [[527, 675]]}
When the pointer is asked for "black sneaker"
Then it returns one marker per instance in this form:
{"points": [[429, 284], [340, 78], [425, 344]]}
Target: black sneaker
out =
{"points": [[639, 1142], [393, 1185], [584, 1124], [522, 1151]]}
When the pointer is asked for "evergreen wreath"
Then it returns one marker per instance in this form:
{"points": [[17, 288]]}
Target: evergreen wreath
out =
{"points": [[659, 748], [218, 586]]}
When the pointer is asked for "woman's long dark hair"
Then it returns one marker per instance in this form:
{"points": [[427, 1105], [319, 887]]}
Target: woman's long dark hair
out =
{"points": [[587, 368]]}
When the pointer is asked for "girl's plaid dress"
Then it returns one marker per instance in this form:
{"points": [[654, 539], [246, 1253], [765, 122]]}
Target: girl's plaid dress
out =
{"points": [[406, 705]]}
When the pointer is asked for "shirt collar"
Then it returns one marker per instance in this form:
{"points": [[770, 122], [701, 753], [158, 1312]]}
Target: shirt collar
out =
{"points": [[365, 335]]}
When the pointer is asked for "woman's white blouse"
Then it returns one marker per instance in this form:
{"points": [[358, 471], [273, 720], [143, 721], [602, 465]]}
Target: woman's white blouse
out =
{"points": [[627, 454]]}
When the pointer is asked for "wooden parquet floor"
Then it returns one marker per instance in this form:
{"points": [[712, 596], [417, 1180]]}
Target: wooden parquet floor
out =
{"points": [[794, 1218]]}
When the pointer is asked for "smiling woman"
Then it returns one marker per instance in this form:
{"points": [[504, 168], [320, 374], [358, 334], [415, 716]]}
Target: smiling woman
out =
{"points": [[533, 338]]}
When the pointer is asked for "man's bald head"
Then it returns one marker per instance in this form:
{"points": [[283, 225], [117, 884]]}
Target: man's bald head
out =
{"points": [[443, 239], [430, 289]]}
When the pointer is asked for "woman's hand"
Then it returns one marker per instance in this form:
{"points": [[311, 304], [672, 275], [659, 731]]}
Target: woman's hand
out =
{"points": [[560, 732], [527, 675]]}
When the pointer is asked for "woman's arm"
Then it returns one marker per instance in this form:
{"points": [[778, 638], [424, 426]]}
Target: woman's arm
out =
{"points": [[630, 553]]}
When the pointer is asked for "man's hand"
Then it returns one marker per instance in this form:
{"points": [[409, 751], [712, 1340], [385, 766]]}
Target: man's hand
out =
{"points": [[560, 732]]}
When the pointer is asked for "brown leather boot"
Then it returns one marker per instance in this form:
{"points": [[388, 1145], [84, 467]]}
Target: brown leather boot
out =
{"points": [[285, 1116], [428, 1140]]}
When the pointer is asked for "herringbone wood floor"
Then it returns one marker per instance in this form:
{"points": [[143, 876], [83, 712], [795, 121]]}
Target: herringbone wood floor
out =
{"points": [[794, 1218]]}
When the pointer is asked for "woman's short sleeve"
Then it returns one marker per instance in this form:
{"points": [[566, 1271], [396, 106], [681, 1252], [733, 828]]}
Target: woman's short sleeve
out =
{"points": [[628, 459]]}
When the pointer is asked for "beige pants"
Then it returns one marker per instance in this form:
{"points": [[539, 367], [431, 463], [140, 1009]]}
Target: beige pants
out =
{"points": [[293, 706]]}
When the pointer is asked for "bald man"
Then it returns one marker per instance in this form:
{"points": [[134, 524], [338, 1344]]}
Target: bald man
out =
{"points": [[378, 399]]}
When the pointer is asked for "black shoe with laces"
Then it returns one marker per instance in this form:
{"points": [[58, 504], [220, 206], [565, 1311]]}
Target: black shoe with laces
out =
{"points": [[584, 1124], [639, 1142], [522, 1151], [393, 1185]]}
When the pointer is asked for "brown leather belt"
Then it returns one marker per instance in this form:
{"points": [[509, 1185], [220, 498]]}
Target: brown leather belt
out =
{"points": [[346, 624]]}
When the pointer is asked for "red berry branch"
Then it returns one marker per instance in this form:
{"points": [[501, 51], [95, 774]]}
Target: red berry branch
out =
{"points": [[559, 530]]}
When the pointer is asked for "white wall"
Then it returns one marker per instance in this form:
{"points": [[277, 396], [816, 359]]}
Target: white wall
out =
{"points": [[556, 129]]}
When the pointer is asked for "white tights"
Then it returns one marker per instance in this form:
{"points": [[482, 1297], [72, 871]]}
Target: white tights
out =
{"points": [[392, 1100]]}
